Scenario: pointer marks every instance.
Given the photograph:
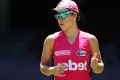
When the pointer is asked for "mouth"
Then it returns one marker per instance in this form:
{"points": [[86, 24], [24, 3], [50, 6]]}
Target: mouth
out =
{"points": [[61, 24]]}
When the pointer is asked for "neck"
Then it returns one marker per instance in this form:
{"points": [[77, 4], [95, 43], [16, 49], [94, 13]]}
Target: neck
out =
{"points": [[72, 32]]}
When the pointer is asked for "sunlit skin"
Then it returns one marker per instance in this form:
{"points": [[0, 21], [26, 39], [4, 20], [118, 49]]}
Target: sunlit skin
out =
{"points": [[69, 26]]}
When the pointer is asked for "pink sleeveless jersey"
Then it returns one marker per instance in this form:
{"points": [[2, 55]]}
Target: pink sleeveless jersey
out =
{"points": [[75, 56]]}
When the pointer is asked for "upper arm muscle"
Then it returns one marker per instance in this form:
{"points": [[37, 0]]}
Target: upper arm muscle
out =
{"points": [[47, 50], [94, 45]]}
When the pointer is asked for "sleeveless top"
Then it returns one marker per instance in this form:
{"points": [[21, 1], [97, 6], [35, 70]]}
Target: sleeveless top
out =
{"points": [[75, 56]]}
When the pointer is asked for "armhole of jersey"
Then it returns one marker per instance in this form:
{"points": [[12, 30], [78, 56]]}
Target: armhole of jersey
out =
{"points": [[55, 35], [52, 64], [90, 73], [87, 35], [52, 58]]}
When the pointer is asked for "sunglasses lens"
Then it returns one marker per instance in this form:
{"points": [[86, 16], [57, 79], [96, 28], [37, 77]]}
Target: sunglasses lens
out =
{"points": [[62, 15], [56, 16]]}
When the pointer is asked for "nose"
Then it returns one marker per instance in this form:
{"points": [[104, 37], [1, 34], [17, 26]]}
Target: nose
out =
{"points": [[60, 20]]}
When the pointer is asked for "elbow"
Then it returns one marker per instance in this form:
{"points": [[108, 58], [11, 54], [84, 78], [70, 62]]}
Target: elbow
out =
{"points": [[44, 70], [41, 68]]}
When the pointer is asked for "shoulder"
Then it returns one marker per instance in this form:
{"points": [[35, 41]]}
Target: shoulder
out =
{"points": [[86, 34], [50, 38], [91, 37], [48, 42]]}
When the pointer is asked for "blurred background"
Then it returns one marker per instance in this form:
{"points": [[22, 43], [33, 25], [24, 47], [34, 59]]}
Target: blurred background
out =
{"points": [[24, 24]]}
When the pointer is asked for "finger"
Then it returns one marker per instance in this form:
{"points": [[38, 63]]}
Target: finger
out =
{"points": [[95, 55], [60, 70], [61, 75], [61, 67], [94, 60], [64, 65], [92, 65]]}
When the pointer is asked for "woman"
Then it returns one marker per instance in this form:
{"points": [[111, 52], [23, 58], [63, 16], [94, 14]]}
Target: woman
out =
{"points": [[74, 51]]}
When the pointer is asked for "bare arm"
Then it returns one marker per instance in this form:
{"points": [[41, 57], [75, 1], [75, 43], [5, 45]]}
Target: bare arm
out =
{"points": [[45, 67], [97, 64], [46, 56]]}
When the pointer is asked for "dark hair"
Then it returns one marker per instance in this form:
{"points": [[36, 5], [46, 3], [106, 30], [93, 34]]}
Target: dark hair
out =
{"points": [[81, 20]]}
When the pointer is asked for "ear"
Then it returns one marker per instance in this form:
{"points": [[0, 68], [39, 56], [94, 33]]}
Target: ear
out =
{"points": [[75, 14]]}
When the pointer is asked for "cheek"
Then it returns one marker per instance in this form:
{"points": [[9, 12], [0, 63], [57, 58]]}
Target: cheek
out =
{"points": [[59, 21], [69, 19]]}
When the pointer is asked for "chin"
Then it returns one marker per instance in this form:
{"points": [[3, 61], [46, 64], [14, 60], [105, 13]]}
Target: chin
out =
{"points": [[64, 29]]}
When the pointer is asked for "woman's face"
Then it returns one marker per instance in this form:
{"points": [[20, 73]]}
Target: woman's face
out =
{"points": [[65, 20]]}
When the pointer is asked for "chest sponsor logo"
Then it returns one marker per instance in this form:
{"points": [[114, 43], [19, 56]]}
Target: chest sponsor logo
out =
{"points": [[62, 52], [73, 66], [81, 53]]}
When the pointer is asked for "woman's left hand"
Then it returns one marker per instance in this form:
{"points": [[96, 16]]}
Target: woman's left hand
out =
{"points": [[94, 63]]}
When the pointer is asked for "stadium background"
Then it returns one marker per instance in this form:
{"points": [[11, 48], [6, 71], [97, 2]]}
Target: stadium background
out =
{"points": [[24, 24]]}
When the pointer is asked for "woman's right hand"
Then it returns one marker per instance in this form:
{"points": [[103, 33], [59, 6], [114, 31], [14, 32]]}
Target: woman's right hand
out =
{"points": [[58, 70]]}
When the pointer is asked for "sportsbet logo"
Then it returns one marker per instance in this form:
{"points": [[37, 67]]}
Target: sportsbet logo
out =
{"points": [[73, 66]]}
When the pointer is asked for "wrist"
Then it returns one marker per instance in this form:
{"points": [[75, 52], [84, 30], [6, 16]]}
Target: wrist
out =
{"points": [[51, 70]]}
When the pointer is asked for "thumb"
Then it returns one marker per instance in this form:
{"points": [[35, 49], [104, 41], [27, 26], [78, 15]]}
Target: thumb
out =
{"points": [[95, 55], [94, 59]]}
